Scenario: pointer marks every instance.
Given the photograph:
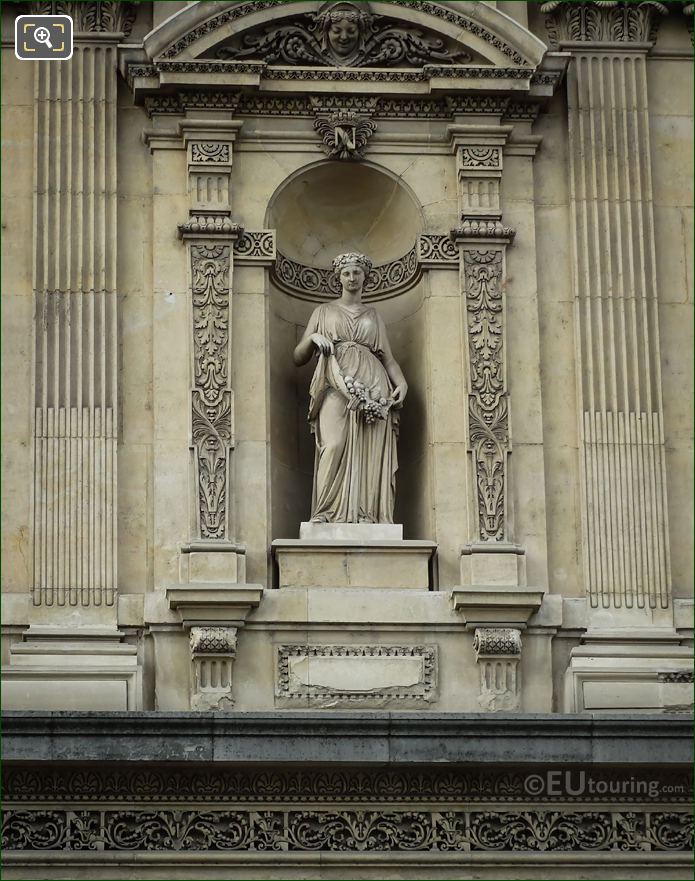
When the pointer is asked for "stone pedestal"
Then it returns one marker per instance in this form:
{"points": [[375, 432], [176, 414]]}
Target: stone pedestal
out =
{"points": [[78, 668], [631, 670], [352, 563]]}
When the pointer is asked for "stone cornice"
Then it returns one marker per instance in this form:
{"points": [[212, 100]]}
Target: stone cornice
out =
{"points": [[380, 736]]}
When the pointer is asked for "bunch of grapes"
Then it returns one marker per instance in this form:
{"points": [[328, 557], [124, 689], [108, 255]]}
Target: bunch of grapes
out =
{"points": [[371, 408]]}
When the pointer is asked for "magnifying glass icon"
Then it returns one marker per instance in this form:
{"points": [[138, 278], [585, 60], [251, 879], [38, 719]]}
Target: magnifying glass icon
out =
{"points": [[43, 35]]}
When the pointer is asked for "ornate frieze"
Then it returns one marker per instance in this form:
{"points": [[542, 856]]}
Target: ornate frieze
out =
{"points": [[255, 104], [312, 283], [602, 21], [340, 830], [32, 784], [211, 397], [91, 17]]}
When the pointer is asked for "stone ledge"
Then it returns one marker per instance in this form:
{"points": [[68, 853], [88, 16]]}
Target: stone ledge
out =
{"points": [[301, 736]]}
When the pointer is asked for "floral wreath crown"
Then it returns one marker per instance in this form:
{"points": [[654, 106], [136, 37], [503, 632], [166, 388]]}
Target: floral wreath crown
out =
{"points": [[343, 260]]}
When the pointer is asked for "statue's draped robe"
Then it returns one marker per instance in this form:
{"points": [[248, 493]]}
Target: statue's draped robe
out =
{"points": [[356, 462]]}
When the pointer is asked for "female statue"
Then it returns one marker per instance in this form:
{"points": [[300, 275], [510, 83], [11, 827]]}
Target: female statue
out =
{"points": [[355, 394]]}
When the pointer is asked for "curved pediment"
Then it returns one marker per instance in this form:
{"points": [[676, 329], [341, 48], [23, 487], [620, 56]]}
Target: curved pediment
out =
{"points": [[396, 34]]}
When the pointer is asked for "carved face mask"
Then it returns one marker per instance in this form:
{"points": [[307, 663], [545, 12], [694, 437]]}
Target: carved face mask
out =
{"points": [[343, 37]]}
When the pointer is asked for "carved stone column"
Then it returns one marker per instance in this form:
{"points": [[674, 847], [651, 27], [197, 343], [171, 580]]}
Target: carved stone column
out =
{"points": [[75, 331], [625, 536], [497, 653]]}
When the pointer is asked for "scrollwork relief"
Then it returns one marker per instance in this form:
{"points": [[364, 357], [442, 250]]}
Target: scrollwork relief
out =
{"points": [[487, 403], [212, 397], [481, 157], [347, 830], [437, 249], [344, 34]]}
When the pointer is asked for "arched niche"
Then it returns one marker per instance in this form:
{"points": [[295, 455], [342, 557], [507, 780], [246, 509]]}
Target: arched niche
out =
{"points": [[320, 211]]}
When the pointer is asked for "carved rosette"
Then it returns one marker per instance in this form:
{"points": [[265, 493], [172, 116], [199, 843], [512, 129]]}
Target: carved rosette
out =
{"points": [[213, 650], [497, 653]]}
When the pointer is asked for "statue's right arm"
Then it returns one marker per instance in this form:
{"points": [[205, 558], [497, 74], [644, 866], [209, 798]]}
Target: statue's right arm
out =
{"points": [[310, 341]]}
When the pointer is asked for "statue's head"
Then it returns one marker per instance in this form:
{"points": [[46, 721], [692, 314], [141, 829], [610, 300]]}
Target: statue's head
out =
{"points": [[352, 270], [343, 27]]}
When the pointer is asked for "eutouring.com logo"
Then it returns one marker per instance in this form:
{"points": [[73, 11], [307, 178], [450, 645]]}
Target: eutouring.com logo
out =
{"points": [[574, 783]]}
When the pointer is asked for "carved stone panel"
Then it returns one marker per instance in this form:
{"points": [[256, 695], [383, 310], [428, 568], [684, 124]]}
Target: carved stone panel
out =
{"points": [[349, 675]]}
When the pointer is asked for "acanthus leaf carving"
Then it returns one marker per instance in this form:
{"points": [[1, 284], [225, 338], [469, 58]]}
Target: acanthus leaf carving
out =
{"points": [[596, 21], [99, 16], [211, 397], [487, 402]]}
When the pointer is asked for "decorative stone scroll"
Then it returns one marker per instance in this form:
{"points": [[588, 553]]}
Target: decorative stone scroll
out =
{"points": [[344, 34], [497, 653], [339, 830], [213, 650]]}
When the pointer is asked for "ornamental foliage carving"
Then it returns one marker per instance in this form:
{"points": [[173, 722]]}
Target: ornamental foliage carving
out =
{"points": [[344, 34], [92, 17], [487, 403], [347, 830], [196, 784], [481, 157], [602, 21], [212, 397]]}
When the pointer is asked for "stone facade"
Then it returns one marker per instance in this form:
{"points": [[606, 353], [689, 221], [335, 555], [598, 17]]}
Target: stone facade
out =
{"points": [[521, 176]]}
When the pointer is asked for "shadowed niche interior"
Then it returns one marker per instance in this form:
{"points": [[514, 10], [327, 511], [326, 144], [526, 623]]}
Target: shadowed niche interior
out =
{"points": [[323, 211]]}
